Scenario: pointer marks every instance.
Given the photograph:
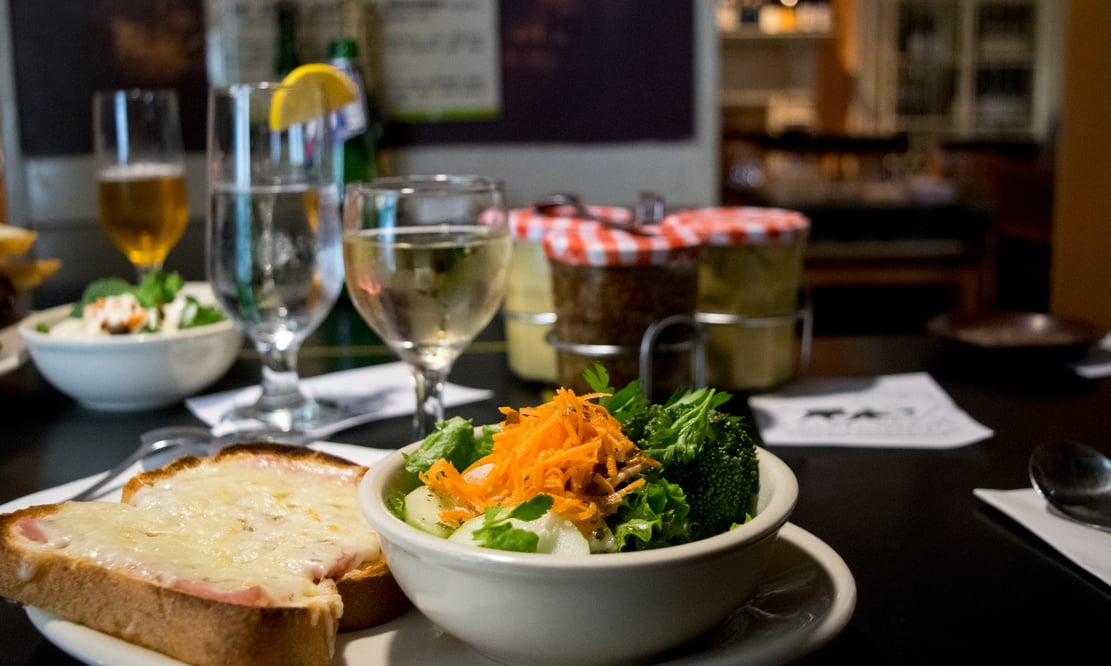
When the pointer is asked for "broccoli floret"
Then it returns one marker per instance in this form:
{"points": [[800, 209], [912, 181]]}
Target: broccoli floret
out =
{"points": [[710, 454], [722, 482]]}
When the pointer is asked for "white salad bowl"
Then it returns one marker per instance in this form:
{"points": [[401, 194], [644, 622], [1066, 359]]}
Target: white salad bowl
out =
{"points": [[120, 373], [533, 608]]}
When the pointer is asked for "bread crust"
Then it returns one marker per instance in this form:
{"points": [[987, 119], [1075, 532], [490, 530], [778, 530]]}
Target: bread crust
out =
{"points": [[191, 628]]}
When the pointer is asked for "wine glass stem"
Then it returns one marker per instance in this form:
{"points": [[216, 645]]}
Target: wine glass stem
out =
{"points": [[429, 386], [280, 381]]}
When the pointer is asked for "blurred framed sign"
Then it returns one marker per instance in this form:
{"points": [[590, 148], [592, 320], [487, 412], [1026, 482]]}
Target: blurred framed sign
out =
{"points": [[442, 59], [569, 71]]}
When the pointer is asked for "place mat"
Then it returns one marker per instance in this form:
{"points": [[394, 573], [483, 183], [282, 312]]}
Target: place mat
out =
{"points": [[367, 394], [890, 411], [1097, 363], [1088, 547]]}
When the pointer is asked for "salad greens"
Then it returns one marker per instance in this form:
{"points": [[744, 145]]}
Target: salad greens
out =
{"points": [[709, 454], [706, 480], [155, 290], [454, 441], [498, 532]]}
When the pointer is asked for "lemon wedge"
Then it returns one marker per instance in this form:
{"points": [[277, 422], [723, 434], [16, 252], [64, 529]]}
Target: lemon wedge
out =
{"points": [[290, 107]]}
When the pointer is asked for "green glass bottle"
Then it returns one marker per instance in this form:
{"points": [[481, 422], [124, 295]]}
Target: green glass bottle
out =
{"points": [[355, 133]]}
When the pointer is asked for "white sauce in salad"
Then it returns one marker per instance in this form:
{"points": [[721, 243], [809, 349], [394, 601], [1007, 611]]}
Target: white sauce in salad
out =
{"points": [[114, 315]]}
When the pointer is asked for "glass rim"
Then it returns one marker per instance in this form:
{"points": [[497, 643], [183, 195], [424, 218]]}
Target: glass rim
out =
{"points": [[231, 88], [435, 182]]}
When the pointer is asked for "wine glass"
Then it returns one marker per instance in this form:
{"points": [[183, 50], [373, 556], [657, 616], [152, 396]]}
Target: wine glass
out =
{"points": [[140, 173], [273, 234], [427, 265]]}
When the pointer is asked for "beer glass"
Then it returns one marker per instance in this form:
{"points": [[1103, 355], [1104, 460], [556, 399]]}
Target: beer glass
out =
{"points": [[140, 173], [273, 234]]}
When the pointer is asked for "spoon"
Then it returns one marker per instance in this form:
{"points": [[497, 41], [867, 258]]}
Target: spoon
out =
{"points": [[1075, 479], [647, 210], [149, 443]]}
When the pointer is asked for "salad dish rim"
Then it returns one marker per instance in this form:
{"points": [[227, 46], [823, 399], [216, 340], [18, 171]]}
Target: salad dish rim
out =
{"points": [[28, 329], [766, 523]]}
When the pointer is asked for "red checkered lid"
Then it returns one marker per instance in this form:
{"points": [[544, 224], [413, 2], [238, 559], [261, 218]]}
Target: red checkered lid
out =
{"points": [[742, 225], [530, 224], [594, 244]]}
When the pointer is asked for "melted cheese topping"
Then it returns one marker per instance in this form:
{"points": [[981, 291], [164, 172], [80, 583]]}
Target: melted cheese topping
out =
{"points": [[256, 530]]}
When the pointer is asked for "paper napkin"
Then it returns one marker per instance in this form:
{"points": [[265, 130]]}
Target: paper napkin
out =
{"points": [[367, 394], [1088, 547], [890, 411]]}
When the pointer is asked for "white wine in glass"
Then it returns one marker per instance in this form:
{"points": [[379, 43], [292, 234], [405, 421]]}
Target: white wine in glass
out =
{"points": [[140, 172], [274, 254], [427, 264]]}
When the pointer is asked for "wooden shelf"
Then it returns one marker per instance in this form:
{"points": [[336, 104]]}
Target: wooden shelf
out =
{"points": [[757, 35]]}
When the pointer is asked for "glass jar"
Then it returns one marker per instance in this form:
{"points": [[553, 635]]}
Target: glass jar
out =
{"points": [[529, 311], [610, 287], [748, 293]]}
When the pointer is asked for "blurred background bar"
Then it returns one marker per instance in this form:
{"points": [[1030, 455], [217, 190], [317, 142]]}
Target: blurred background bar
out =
{"points": [[925, 140]]}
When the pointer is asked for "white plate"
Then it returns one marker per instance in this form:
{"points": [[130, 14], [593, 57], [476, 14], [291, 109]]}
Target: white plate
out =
{"points": [[13, 351], [804, 599]]}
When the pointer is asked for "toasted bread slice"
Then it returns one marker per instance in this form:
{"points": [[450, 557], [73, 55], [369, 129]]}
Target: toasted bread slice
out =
{"points": [[256, 555], [26, 274], [15, 241]]}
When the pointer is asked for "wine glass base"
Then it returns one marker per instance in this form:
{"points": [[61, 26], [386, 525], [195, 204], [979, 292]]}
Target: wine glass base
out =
{"points": [[307, 417]]}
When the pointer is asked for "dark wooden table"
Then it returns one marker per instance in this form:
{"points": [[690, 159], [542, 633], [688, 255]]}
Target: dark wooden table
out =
{"points": [[941, 577]]}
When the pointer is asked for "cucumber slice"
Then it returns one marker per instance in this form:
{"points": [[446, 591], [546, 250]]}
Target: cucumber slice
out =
{"points": [[557, 535], [422, 511]]}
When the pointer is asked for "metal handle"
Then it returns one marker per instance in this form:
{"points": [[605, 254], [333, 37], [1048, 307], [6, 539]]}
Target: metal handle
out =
{"points": [[648, 346], [804, 315]]}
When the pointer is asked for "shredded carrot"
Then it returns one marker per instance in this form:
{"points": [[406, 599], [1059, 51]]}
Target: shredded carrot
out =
{"points": [[570, 448]]}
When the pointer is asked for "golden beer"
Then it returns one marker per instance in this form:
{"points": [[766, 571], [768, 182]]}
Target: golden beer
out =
{"points": [[143, 209]]}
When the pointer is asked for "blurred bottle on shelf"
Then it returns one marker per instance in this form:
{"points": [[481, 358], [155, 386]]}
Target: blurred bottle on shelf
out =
{"points": [[813, 16], [777, 17], [362, 22]]}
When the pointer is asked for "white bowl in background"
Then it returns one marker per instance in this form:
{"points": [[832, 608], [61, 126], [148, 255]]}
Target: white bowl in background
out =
{"points": [[541, 608], [120, 373]]}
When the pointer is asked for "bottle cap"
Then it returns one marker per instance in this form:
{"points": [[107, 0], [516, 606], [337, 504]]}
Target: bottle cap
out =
{"points": [[343, 48]]}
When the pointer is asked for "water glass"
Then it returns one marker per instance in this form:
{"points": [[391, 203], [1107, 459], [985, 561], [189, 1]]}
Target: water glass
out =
{"points": [[273, 234]]}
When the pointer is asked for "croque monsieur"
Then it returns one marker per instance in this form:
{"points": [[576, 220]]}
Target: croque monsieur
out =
{"points": [[257, 555]]}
